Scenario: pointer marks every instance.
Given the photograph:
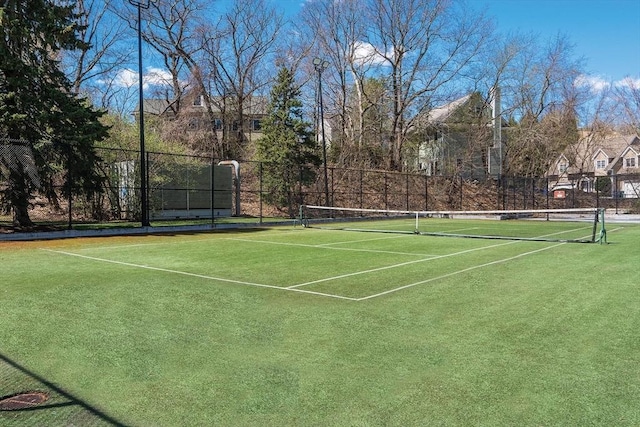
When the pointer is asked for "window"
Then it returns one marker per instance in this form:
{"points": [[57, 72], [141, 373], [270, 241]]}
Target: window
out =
{"points": [[630, 162], [601, 164], [256, 124], [217, 124], [435, 168], [562, 167], [197, 101]]}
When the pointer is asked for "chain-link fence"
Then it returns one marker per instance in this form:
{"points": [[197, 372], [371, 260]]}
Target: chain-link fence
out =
{"points": [[205, 189]]}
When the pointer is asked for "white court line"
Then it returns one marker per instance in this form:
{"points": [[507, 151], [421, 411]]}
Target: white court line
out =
{"points": [[470, 268], [402, 264], [464, 270], [324, 246], [294, 289], [200, 276], [346, 242], [342, 276]]}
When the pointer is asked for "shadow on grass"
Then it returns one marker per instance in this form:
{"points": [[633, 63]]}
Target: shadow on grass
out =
{"points": [[59, 408]]}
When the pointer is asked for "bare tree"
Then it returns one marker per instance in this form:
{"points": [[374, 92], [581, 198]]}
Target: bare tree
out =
{"points": [[174, 32], [336, 30], [171, 32], [102, 56], [627, 96], [238, 56], [426, 46], [546, 102], [416, 48]]}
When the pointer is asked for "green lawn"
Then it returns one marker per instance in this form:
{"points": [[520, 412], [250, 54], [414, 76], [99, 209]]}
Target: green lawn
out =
{"points": [[374, 330]]}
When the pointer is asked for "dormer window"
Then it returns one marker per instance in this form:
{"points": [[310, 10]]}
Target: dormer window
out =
{"points": [[630, 162], [562, 167], [198, 101], [601, 164]]}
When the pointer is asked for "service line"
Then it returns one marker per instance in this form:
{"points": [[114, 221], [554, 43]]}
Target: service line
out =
{"points": [[199, 276]]}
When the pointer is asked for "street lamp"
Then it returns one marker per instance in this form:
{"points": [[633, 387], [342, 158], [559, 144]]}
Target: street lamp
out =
{"points": [[320, 66], [144, 4]]}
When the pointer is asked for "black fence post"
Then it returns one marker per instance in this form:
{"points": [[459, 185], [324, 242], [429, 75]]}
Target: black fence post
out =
{"points": [[386, 201], [332, 186], [407, 188], [300, 194], [616, 191], [260, 189], [547, 192], [533, 193], [213, 192], [498, 192], [69, 192], [361, 188], [426, 192], [146, 190], [461, 191]]}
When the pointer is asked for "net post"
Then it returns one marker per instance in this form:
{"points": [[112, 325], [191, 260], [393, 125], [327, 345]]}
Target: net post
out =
{"points": [[595, 225], [301, 215], [417, 230], [602, 238]]}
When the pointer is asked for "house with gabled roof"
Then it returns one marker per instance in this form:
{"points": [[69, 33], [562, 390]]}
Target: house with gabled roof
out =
{"points": [[614, 158], [462, 137], [191, 108]]}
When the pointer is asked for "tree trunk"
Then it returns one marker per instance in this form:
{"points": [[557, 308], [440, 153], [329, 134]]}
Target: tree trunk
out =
{"points": [[19, 197]]}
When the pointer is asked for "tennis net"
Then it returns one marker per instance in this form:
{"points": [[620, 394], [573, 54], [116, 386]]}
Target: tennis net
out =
{"points": [[583, 225]]}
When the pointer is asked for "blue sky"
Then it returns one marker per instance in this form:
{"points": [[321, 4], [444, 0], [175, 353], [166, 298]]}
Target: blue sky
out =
{"points": [[605, 32]]}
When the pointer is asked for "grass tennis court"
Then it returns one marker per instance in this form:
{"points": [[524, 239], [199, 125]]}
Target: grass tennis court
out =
{"points": [[302, 326]]}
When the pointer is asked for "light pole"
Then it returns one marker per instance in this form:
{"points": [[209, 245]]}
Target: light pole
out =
{"points": [[320, 66], [144, 4]]}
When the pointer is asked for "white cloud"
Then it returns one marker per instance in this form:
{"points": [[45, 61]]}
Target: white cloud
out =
{"points": [[628, 82], [594, 83], [126, 78], [598, 84], [154, 77], [157, 77], [365, 53]]}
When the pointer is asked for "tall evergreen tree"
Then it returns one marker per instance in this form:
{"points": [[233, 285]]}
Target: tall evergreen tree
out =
{"points": [[38, 108], [287, 147]]}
